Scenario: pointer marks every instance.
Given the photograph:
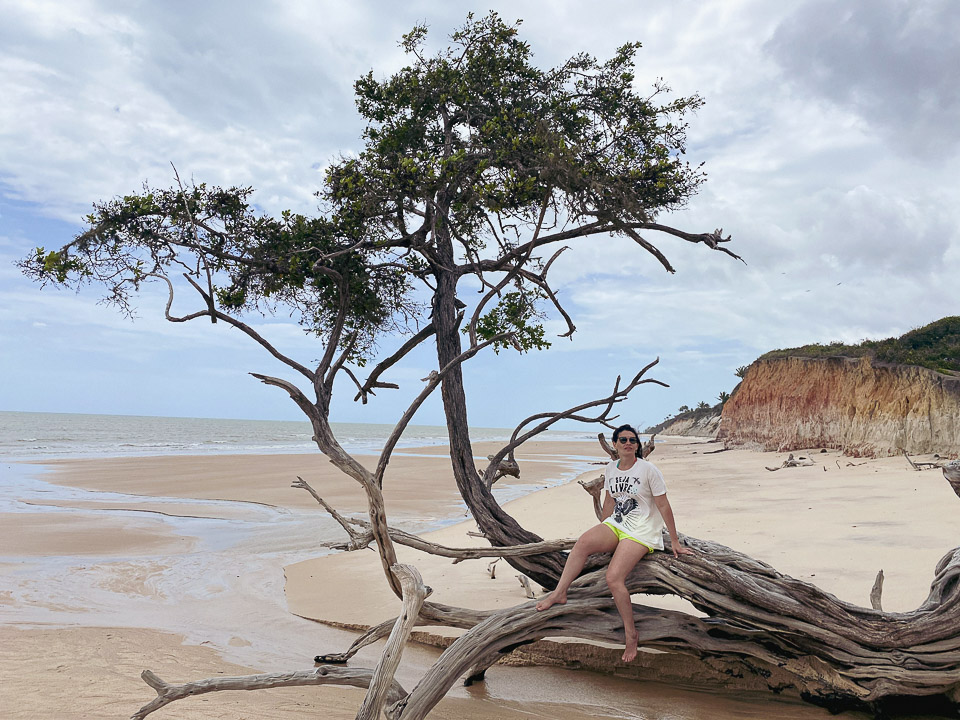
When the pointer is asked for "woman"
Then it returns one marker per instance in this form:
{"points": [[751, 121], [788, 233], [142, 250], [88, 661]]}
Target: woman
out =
{"points": [[636, 508]]}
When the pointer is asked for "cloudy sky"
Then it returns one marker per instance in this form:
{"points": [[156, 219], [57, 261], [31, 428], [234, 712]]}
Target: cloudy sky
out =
{"points": [[830, 137]]}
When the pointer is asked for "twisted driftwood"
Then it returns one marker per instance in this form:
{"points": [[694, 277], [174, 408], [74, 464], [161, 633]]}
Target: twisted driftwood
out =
{"points": [[951, 471], [759, 622], [323, 675]]}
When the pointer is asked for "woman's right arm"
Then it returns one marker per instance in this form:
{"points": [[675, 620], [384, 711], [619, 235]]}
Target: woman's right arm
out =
{"points": [[608, 505]]}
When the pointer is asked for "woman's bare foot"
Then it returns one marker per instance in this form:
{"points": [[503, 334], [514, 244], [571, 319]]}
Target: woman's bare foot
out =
{"points": [[631, 650], [554, 598]]}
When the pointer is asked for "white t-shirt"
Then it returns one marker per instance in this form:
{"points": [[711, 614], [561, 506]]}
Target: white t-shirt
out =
{"points": [[634, 490]]}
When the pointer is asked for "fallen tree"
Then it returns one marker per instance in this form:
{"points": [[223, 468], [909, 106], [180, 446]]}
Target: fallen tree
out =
{"points": [[476, 162]]}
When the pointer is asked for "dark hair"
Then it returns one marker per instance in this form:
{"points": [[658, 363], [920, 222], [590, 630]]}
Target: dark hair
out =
{"points": [[631, 428]]}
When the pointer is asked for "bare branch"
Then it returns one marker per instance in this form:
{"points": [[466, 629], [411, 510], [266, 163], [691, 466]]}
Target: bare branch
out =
{"points": [[511, 274], [361, 540], [549, 419], [652, 249], [337, 329], [374, 633], [876, 591], [323, 675], [338, 363], [357, 540], [295, 393], [432, 380], [239, 324], [607, 448], [208, 296], [595, 489], [166, 310], [373, 379], [414, 593]]}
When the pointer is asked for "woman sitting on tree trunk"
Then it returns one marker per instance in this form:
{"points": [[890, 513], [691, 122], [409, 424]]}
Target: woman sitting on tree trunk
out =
{"points": [[636, 508]]}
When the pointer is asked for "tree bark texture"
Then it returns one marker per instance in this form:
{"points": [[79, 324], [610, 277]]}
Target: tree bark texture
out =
{"points": [[414, 593], [496, 524], [836, 654]]}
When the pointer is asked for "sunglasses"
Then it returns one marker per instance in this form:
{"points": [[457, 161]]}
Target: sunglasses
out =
{"points": [[626, 440]]}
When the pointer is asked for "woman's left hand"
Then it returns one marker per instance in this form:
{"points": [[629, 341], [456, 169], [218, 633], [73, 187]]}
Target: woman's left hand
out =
{"points": [[679, 550]]}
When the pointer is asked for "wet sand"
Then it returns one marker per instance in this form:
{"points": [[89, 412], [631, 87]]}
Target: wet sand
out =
{"points": [[177, 564]]}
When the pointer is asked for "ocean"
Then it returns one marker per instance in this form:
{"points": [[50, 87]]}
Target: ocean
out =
{"points": [[43, 436]]}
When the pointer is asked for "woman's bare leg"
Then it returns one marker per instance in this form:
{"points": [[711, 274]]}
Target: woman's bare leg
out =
{"points": [[598, 539], [625, 558]]}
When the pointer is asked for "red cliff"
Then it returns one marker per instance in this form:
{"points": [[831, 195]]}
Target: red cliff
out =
{"points": [[854, 404]]}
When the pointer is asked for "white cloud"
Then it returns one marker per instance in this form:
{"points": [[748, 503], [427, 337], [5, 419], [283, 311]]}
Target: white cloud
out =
{"points": [[830, 134]]}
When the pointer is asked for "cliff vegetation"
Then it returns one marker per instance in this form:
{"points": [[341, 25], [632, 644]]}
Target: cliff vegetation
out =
{"points": [[935, 346]]}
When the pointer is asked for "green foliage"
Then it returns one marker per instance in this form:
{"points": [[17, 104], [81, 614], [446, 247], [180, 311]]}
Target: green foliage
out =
{"points": [[741, 371], [479, 130], [255, 262], [703, 405], [467, 153], [684, 408], [516, 313], [723, 396], [935, 346]]}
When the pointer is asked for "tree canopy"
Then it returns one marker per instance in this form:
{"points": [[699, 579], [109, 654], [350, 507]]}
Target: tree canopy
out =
{"points": [[473, 159]]}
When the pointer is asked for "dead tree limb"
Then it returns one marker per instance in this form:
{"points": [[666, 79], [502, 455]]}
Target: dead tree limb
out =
{"points": [[607, 447], [414, 593], [324, 675], [528, 590], [834, 653], [595, 489], [951, 471], [358, 541], [937, 463], [790, 462], [876, 591], [548, 419]]}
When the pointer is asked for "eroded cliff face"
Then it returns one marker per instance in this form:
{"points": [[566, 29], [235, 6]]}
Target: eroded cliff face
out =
{"points": [[855, 405], [702, 426]]}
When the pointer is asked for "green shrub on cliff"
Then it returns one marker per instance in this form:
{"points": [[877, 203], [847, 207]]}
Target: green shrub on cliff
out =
{"points": [[935, 346]]}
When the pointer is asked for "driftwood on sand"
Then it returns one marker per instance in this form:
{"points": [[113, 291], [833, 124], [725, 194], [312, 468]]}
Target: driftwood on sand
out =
{"points": [[758, 621], [791, 461], [951, 471]]}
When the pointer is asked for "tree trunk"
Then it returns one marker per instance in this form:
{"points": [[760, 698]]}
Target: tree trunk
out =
{"points": [[789, 632], [498, 526]]}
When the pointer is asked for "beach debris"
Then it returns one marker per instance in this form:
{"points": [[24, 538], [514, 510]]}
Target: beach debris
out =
{"points": [[323, 675], [951, 471], [799, 461], [937, 462], [492, 569], [527, 587], [876, 591], [714, 452]]}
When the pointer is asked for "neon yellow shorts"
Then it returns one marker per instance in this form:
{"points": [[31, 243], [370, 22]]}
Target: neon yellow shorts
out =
{"points": [[622, 534]]}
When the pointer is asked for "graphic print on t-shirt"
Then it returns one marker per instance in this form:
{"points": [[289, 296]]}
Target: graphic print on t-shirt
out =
{"points": [[624, 507], [621, 488]]}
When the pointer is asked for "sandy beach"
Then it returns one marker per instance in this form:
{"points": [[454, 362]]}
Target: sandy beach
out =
{"points": [[203, 566]]}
